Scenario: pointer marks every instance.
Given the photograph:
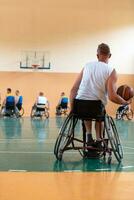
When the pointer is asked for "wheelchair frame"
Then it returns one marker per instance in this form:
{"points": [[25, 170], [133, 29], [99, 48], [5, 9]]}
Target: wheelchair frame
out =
{"points": [[12, 113], [128, 114], [39, 114], [62, 111], [66, 140]]}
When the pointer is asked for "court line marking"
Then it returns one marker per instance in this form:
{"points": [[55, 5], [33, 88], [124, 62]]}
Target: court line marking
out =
{"points": [[129, 153], [17, 170], [125, 167], [128, 147], [45, 152], [105, 169], [27, 140], [75, 170]]}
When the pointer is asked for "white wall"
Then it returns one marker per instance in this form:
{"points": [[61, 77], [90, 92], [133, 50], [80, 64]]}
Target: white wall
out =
{"points": [[69, 30]]}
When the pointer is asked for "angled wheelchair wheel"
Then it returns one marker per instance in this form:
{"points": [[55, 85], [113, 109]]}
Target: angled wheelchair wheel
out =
{"points": [[129, 114], [2, 113], [65, 135], [46, 114], [113, 137], [118, 116], [32, 115], [21, 112]]}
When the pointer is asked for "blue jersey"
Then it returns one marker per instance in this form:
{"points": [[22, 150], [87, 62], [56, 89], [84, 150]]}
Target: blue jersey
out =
{"points": [[10, 99], [64, 100], [20, 100]]}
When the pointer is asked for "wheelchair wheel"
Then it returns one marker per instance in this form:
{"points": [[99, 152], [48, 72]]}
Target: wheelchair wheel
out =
{"points": [[113, 138], [65, 134], [46, 114], [33, 112], [2, 112], [21, 112], [129, 114], [118, 116]]}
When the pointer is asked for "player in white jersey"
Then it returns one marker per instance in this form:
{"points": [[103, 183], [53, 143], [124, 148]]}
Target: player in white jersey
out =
{"points": [[88, 96], [42, 101]]}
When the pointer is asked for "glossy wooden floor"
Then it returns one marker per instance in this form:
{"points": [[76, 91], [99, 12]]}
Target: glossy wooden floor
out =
{"points": [[67, 186], [30, 171], [28, 145]]}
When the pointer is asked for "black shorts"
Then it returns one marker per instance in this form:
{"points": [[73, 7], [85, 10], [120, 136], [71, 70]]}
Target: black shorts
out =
{"points": [[40, 107], [89, 109]]}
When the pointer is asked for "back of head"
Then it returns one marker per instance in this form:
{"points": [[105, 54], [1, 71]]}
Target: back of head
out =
{"points": [[103, 49], [17, 92], [63, 94], [9, 90], [41, 94]]}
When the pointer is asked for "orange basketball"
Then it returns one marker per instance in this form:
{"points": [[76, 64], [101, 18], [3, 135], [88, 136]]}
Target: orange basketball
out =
{"points": [[125, 92]]}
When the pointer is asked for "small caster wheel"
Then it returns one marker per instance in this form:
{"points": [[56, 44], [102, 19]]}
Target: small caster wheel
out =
{"points": [[109, 160], [59, 156]]}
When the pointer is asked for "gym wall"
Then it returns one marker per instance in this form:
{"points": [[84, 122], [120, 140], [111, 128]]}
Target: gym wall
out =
{"points": [[52, 84]]}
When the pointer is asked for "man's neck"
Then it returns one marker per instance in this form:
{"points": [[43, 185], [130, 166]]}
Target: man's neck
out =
{"points": [[103, 60]]}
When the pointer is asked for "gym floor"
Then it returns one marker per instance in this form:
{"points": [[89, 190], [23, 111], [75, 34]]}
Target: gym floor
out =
{"points": [[28, 145], [30, 171]]}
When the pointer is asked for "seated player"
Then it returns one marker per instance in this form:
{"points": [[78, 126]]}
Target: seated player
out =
{"points": [[18, 100], [121, 111], [8, 106], [41, 104], [62, 105], [88, 95]]}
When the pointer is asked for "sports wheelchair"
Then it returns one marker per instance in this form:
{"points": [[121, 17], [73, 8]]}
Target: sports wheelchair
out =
{"points": [[39, 111], [62, 109], [124, 112], [67, 139], [11, 111]]}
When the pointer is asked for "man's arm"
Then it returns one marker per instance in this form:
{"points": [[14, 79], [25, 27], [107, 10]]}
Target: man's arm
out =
{"points": [[111, 88], [4, 102], [48, 105], [75, 88]]}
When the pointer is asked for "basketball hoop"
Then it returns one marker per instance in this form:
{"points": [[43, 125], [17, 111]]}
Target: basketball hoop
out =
{"points": [[35, 66]]}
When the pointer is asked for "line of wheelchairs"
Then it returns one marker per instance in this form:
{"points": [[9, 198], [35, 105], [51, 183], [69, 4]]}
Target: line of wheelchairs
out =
{"points": [[68, 139], [37, 111]]}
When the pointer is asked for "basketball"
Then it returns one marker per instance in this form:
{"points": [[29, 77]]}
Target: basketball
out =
{"points": [[125, 92]]}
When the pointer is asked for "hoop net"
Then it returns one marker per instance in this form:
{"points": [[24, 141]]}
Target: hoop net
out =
{"points": [[35, 66]]}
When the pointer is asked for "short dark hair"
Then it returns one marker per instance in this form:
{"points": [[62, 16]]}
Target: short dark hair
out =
{"points": [[103, 49], [9, 90], [41, 93]]}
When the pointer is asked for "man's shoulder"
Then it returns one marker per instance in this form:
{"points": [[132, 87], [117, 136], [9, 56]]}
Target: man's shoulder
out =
{"points": [[91, 63]]}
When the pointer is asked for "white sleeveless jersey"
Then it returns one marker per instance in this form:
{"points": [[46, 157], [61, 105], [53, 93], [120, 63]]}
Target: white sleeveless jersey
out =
{"points": [[41, 100], [93, 83]]}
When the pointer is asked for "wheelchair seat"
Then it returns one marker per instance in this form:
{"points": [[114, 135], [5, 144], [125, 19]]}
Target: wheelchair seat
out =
{"points": [[62, 109], [39, 110], [68, 140]]}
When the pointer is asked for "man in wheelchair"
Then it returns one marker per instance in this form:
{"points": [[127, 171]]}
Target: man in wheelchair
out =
{"points": [[88, 98], [18, 100], [40, 107], [9, 108], [89, 94], [62, 106], [124, 112]]}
